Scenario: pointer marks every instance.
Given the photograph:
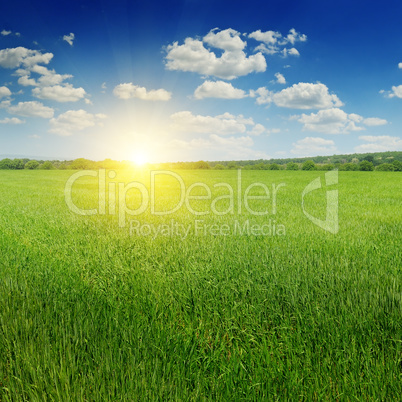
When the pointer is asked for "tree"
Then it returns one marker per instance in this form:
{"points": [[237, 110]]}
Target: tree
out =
{"points": [[81, 163], [292, 166], [366, 166], [274, 166], [6, 164], [368, 158], [202, 165], [348, 167], [397, 166], [232, 165], [327, 166], [309, 165], [18, 164], [385, 167], [31, 165], [46, 166], [219, 167]]}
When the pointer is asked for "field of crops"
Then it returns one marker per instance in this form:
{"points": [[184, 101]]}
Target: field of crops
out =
{"points": [[182, 306]]}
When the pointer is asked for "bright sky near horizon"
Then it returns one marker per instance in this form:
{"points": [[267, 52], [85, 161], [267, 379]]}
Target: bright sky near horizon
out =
{"points": [[188, 79]]}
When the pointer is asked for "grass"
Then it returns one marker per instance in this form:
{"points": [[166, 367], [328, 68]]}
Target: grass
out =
{"points": [[90, 312]]}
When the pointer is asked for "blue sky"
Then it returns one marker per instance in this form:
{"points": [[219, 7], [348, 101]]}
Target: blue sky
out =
{"points": [[191, 80]]}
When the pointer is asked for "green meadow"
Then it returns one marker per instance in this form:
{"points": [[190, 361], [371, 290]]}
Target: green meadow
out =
{"points": [[113, 306]]}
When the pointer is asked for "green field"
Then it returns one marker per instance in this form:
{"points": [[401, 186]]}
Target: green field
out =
{"points": [[93, 311]]}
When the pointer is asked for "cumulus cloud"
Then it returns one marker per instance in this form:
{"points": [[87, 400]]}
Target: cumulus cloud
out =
{"points": [[130, 91], [225, 124], [306, 96], [15, 57], [330, 121], [49, 84], [228, 39], [374, 121], [280, 79], [399, 65], [268, 37], [72, 121], [31, 109], [5, 33], [290, 52], [4, 91], [381, 143], [46, 77], [273, 42], [193, 56], [218, 89], [396, 92], [294, 36], [263, 95], [66, 93], [69, 38], [13, 120], [310, 146], [258, 129], [5, 104], [299, 96]]}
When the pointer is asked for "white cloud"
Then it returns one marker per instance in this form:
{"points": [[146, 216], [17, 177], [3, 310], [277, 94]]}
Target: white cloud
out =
{"points": [[268, 37], [47, 77], [380, 143], [4, 91], [396, 92], [311, 146], [229, 39], [5, 33], [26, 81], [290, 52], [295, 36], [269, 50], [280, 79], [263, 95], [330, 121], [5, 104], [399, 65], [69, 38], [66, 93], [273, 41], [258, 129], [32, 109], [130, 91], [306, 96], [72, 121], [193, 56], [225, 124], [374, 121], [15, 57], [13, 120], [218, 89]]}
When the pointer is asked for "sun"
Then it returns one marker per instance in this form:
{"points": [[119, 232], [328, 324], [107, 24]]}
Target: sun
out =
{"points": [[140, 158]]}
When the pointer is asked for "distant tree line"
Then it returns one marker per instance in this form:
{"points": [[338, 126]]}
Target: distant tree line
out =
{"points": [[380, 161]]}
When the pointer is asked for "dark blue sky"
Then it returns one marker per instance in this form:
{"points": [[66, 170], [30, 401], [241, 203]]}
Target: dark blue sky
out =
{"points": [[323, 97]]}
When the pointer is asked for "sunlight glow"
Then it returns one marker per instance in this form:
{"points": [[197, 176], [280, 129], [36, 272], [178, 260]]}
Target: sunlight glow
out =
{"points": [[140, 158]]}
